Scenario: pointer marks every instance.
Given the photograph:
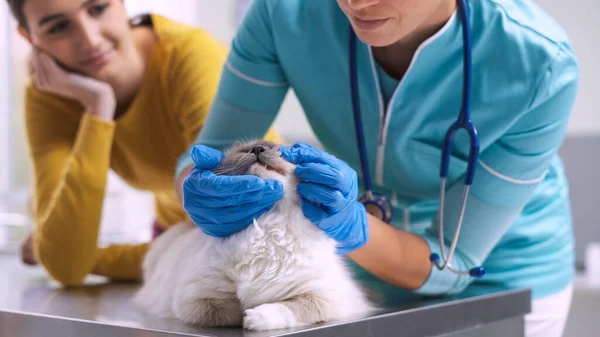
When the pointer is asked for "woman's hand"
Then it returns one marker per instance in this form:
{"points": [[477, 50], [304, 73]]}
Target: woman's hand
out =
{"points": [[27, 255], [329, 195], [224, 205], [97, 97]]}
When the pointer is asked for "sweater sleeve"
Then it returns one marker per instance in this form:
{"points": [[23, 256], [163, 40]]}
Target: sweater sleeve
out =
{"points": [[506, 175], [121, 262], [70, 160], [250, 91]]}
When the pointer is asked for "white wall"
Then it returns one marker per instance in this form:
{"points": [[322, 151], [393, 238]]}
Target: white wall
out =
{"points": [[218, 17], [4, 102]]}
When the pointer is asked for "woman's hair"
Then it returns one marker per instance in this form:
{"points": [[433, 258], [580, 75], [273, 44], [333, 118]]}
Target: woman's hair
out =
{"points": [[16, 6]]}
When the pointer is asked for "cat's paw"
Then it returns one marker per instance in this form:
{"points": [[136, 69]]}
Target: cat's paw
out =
{"points": [[271, 316]]}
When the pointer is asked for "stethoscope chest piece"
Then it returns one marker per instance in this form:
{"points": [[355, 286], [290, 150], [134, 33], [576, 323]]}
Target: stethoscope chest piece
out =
{"points": [[378, 206]]}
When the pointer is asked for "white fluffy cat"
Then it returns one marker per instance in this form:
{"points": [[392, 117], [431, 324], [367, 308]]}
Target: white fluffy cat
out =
{"points": [[280, 272]]}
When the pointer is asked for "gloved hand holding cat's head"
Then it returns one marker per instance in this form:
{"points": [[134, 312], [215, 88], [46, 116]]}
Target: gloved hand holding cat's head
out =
{"points": [[224, 193]]}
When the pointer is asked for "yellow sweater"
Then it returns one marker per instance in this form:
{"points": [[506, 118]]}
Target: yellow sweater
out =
{"points": [[72, 152]]}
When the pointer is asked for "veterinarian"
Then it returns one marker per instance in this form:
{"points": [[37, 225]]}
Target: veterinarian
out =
{"points": [[135, 95], [409, 63]]}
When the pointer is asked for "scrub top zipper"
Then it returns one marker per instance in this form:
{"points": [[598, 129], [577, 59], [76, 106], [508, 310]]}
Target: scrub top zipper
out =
{"points": [[384, 119], [385, 113]]}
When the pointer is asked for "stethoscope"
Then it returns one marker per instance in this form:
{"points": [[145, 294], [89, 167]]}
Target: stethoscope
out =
{"points": [[377, 204]]}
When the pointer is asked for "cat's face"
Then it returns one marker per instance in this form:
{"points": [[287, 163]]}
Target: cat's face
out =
{"points": [[260, 158]]}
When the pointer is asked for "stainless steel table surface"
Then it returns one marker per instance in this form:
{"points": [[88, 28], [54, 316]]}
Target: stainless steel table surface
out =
{"points": [[32, 306]]}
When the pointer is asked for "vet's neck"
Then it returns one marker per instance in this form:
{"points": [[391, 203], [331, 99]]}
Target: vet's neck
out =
{"points": [[395, 58]]}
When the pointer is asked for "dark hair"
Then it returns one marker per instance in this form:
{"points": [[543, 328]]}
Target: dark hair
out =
{"points": [[16, 6]]}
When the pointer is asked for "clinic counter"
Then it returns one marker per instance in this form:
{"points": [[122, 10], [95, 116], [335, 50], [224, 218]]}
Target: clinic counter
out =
{"points": [[33, 306]]}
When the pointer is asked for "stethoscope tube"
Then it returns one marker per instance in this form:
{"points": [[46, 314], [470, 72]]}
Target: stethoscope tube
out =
{"points": [[360, 136], [463, 122], [377, 204]]}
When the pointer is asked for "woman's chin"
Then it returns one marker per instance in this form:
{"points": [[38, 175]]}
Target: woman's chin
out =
{"points": [[104, 74]]}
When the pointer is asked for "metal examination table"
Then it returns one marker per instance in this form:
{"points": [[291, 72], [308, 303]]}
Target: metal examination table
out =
{"points": [[33, 306]]}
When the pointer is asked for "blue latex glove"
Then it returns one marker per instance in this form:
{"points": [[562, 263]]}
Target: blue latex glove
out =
{"points": [[329, 189], [224, 205]]}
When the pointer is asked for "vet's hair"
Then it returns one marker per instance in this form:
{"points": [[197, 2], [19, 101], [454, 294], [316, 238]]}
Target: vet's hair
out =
{"points": [[239, 157], [16, 7]]}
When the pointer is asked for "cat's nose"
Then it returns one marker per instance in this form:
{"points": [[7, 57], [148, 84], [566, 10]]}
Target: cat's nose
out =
{"points": [[257, 150]]}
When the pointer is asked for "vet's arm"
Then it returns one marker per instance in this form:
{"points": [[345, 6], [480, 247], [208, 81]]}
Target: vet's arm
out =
{"points": [[250, 92], [506, 175], [397, 257], [402, 258]]}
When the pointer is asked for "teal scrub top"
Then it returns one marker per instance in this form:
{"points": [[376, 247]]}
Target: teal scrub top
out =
{"points": [[517, 222]]}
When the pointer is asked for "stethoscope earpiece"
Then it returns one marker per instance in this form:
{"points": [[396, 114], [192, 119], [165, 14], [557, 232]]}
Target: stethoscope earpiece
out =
{"points": [[477, 272]]}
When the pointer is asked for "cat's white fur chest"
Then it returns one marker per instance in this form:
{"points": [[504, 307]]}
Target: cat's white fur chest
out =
{"points": [[279, 250]]}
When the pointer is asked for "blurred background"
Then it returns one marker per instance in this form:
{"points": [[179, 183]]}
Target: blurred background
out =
{"points": [[128, 213]]}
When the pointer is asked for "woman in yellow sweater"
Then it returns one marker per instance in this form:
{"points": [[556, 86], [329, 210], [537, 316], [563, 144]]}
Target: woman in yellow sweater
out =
{"points": [[108, 93]]}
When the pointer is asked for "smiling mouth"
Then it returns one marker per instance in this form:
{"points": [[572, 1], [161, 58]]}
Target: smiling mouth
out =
{"points": [[368, 24], [98, 59]]}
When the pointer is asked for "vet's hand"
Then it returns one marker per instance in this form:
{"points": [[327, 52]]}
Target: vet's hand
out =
{"points": [[329, 191], [96, 96], [224, 205]]}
